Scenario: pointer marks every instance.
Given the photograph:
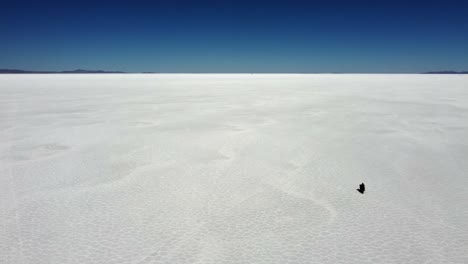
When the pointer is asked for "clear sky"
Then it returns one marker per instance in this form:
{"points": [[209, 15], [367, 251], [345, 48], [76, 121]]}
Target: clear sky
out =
{"points": [[235, 36]]}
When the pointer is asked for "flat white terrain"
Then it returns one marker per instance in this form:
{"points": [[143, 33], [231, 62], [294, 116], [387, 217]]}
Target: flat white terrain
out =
{"points": [[233, 168]]}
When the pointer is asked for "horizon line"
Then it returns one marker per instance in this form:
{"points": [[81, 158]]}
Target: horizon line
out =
{"points": [[82, 71]]}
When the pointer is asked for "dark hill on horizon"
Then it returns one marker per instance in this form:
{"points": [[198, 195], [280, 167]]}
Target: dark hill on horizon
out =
{"points": [[78, 71], [446, 72]]}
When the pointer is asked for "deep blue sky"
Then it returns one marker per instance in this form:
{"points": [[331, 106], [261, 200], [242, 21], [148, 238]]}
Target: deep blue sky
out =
{"points": [[235, 36]]}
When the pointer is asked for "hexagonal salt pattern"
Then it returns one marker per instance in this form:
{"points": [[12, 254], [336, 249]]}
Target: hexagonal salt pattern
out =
{"points": [[233, 169]]}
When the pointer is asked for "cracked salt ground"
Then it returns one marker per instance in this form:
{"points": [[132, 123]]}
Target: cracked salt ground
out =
{"points": [[233, 169]]}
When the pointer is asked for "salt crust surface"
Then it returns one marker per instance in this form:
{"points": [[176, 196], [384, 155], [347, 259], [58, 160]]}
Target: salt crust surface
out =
{"points": [[233, 168]]}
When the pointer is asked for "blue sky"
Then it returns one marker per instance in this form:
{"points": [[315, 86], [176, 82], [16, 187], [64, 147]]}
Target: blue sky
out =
{"points": [[236, 36]]}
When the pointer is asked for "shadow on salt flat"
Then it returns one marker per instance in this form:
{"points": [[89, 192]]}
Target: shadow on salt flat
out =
{"points": [[385, 131], [31, 152]]}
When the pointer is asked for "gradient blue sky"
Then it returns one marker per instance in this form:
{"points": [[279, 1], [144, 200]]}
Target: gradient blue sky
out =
{"points": [[235, 36]]}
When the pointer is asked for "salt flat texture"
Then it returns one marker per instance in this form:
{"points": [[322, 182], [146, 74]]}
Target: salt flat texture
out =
{"points": [[233, 168]]}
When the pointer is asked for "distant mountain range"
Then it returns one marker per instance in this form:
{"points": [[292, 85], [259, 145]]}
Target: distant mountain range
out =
{"points": [[46, 72], [81, 71], [446, 72]]}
